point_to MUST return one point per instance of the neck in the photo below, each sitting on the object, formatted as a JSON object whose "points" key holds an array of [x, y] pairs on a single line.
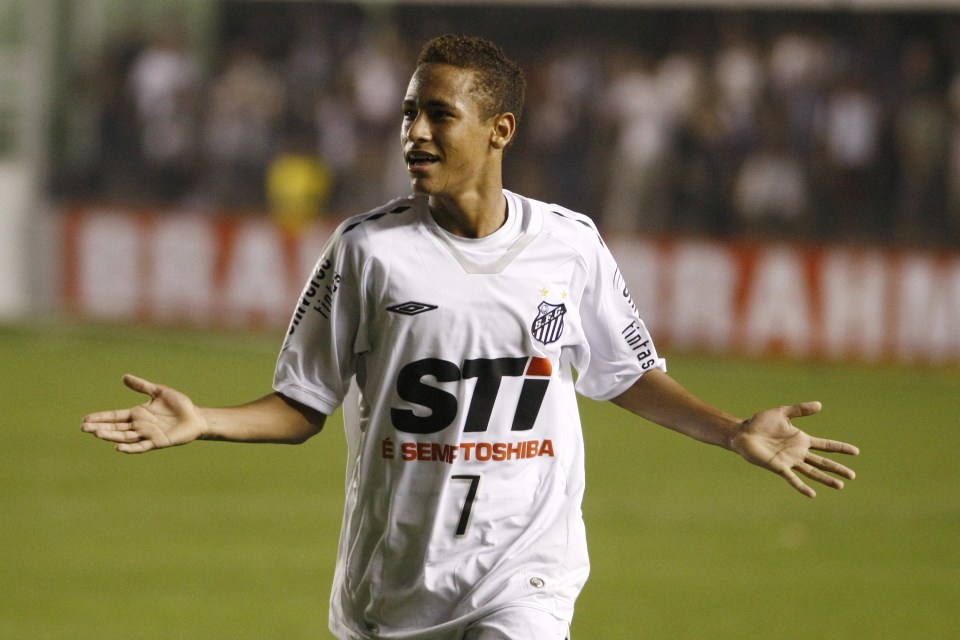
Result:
{"points": [[470, 216]]}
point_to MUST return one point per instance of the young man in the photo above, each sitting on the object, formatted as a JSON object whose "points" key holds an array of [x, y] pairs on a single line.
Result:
{"points": [[462, 313]]}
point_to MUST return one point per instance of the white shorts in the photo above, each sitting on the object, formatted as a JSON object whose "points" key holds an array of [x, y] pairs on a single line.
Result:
{"points": [[518, 622], [512, 622]]}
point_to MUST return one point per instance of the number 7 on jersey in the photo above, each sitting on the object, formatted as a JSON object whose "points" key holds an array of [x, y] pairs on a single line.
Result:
{"points": [[467, 509]]}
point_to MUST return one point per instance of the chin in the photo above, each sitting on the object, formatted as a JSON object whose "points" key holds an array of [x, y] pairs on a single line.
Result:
{"points": [[423, 187]]}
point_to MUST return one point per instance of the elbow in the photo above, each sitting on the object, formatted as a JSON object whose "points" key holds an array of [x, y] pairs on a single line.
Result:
{"points": [[304, 423], [311, 429], [301, 438]]}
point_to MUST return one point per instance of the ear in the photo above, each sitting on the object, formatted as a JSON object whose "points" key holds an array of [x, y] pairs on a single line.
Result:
{"points": [[504, 126]]}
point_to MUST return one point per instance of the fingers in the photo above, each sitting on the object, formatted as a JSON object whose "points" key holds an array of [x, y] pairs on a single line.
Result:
{"points": [[833, 446], [141, 385], [802, 409], [111, 432], [826, 464], [141, 446], [797, 483], [116, 425], [819, 476], [115, 417], [126, 435], [815, 467], [120, 416]]}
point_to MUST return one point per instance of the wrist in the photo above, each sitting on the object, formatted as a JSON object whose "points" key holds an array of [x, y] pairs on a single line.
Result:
{"points": [[204, 425], [732, 434]]}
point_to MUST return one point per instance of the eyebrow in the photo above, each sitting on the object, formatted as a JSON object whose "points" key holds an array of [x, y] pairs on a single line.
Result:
{"points": [[434, 104]]}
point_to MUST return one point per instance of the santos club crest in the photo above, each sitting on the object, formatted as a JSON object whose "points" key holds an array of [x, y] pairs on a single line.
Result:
{"points": [[548, 325]]}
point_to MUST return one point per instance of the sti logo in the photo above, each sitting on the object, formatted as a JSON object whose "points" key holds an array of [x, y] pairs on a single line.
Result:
{"points": [[548, 325], [415, 385]]}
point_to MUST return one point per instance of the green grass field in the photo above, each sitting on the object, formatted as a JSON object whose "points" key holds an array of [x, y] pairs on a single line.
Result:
{"points": [[216, 541]]}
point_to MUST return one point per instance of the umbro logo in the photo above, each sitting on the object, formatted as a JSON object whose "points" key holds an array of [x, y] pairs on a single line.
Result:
{"points": [[411, 308]]}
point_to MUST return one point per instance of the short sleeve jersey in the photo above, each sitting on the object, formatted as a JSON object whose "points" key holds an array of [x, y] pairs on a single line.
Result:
{"points": [[466, 467]]}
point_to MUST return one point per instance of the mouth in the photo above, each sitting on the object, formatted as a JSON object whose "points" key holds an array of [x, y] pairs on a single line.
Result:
{"points": [[420, 160]]}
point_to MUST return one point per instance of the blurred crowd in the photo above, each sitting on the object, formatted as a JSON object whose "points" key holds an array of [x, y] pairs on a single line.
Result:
{"points": [[820, 127]]}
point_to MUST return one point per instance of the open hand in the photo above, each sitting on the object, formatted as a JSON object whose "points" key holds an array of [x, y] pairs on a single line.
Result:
{"points": [[168, 419], [770, 440]]}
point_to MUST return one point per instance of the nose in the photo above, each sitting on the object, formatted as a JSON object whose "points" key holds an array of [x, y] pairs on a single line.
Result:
{"points": [[418, 129]]}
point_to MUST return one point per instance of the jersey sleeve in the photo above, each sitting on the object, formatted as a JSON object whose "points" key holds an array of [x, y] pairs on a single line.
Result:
{"points": [[319, 354], [620, 349]]}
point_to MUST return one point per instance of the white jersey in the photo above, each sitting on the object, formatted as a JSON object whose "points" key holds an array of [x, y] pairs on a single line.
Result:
{"points": [[466, 470]]}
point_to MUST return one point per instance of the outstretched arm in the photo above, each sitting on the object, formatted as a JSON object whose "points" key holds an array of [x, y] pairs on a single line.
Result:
{"points": [[170, 418], [768, 439]]}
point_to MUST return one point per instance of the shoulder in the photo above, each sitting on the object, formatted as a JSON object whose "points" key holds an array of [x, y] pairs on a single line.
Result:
{"points": [[382, 224], [565, 225], [395, 213], [565, 221]]}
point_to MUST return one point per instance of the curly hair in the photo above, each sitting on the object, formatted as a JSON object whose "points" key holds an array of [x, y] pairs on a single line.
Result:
{"points": [[500, 82]]}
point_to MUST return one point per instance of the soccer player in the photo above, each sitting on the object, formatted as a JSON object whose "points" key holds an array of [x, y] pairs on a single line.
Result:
{"points": [[468, 316]]}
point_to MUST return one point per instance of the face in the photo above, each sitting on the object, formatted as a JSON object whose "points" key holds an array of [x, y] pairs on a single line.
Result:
{"points": [[449, 148]]}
